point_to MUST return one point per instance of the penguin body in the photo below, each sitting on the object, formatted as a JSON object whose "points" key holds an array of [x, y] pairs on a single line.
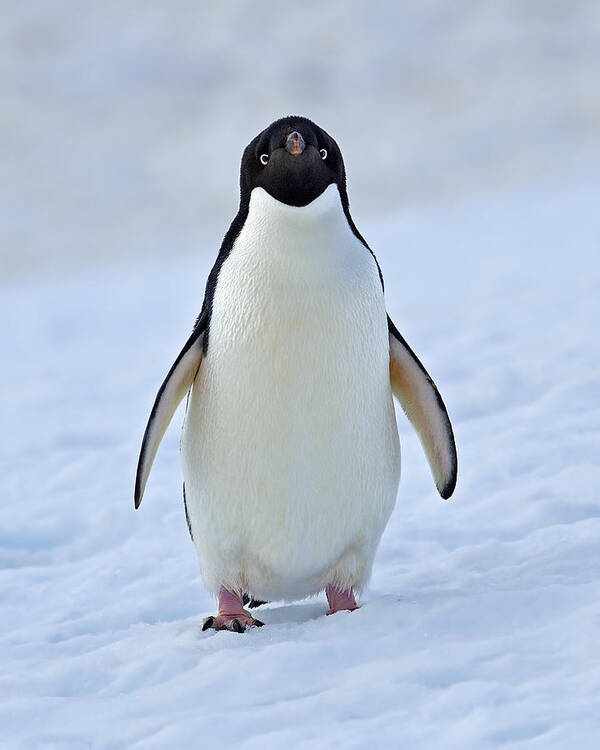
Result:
{"points": [[290, 449]]}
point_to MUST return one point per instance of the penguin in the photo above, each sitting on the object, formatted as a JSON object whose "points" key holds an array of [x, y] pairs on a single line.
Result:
{"points": [[290, 448]]}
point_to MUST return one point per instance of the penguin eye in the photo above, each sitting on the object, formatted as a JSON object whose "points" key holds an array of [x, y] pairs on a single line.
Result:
{"points": [[264, 158], [323, 153]]}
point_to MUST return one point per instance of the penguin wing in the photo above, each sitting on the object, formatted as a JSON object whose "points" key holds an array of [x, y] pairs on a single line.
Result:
{"points": [[175, 386], [423, 405]]}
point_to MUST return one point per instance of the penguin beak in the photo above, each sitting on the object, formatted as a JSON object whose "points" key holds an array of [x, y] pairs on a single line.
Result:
{"points": [[295, 144]]}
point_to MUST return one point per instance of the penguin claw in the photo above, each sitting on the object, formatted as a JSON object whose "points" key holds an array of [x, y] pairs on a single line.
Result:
{"points": [[235, 624]]}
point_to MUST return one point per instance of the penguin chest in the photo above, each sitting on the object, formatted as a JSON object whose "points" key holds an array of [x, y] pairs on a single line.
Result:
{"points": [[290, 434]]}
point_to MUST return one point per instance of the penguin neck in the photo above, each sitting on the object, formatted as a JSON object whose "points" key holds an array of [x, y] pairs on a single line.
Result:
{"points": [[312, 243], [325, 210]]}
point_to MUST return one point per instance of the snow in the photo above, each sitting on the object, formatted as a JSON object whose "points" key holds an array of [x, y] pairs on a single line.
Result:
{"points": [[480, 626], [123, 124]]}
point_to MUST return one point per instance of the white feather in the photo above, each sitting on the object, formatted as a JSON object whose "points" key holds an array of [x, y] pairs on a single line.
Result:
{"points": [[290, 449], [175, 386], [423, 405]]}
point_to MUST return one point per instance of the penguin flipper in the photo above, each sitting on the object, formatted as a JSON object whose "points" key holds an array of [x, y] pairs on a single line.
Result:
{"points": [[423, 405], [175, 386]]}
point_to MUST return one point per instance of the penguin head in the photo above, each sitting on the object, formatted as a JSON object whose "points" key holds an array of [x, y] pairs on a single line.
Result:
{"points": [[294, 160]]}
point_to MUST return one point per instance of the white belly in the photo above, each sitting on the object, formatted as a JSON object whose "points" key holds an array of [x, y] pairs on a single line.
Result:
{"points": [[290, 449]]}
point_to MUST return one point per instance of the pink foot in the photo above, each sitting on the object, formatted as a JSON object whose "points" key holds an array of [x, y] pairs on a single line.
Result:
{"points": [[232, 615], [340, 600]]}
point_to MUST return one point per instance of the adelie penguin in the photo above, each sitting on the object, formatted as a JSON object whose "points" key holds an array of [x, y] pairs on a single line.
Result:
{"points": [[290, 450]]}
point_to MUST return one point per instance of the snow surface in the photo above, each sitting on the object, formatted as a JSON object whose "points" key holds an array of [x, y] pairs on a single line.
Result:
{"points": [[480, 627], [471, 133]]}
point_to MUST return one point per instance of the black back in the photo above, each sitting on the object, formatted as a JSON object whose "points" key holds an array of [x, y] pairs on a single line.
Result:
{"points": [[292, 179]]}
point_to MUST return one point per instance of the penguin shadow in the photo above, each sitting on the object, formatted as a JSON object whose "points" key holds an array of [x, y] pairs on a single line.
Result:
{"points": [[315, 610], [291, 614], [280, 613]]}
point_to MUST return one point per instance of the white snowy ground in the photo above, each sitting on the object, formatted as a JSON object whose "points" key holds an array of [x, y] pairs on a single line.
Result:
{"points": [[481, 625]]}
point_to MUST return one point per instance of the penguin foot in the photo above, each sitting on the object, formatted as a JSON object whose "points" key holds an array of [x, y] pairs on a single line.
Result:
{"points": [[232, 615], [340, 600], [237, 623]]}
